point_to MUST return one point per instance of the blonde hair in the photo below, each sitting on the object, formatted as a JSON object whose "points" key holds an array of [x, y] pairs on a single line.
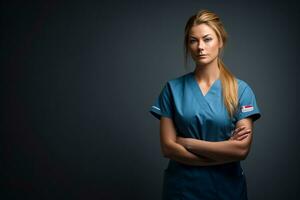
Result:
{"points": [[228, 80]]}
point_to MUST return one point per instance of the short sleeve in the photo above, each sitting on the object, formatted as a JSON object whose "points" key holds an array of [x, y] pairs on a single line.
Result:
{"points": [[163, 104], [247, 105]]}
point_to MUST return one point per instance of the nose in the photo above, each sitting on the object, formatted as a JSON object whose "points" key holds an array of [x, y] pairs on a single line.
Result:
{"points": [[200, 46]]}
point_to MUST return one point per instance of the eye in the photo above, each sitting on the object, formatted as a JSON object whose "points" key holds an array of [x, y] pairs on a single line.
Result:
{"points": [[207, 39], [192, 40]]}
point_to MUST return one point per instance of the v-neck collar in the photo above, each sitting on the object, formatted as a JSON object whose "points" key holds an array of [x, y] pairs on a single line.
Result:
{"points": [[198, 89]]}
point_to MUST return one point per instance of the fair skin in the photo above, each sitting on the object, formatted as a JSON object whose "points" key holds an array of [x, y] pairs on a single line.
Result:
{"points": [[190, 151], [203, 40]]}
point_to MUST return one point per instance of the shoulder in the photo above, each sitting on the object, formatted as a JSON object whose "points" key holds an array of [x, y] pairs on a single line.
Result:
{"points": [[242, 85], [175, 86], [178, 80], [244, 88]]}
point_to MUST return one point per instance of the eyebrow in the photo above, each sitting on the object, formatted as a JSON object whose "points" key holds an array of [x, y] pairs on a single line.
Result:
{"points": [[203, 36]]}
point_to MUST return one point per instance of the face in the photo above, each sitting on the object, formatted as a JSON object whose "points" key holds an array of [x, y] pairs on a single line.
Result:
{"points": [[203, 40]]}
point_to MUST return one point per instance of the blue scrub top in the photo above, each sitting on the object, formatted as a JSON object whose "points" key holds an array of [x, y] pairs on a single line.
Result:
{"points": [[203, 117]]}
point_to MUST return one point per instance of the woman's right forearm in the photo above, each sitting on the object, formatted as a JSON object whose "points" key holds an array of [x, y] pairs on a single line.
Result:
{"points": [[180, 154]]}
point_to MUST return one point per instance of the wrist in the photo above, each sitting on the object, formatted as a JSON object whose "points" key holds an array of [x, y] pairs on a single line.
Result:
{"points": [[188, 144]]}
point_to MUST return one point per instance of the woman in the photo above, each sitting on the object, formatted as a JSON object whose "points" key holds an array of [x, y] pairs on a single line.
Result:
{"points": [[206, 120]]}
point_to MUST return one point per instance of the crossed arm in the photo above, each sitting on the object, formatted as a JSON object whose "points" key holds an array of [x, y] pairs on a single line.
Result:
{"points": [[192, 151]]}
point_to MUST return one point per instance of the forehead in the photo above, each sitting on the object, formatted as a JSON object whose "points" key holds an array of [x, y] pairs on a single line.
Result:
{"points": [[201, 30]]}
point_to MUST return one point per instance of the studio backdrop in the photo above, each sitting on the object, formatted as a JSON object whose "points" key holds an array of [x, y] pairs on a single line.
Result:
{"points": [[78, 80]]}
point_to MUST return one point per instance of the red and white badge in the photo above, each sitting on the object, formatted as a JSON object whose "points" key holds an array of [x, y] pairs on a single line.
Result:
{"points": [[247, 108]]}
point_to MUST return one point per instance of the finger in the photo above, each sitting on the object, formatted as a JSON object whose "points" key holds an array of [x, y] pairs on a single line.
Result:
{"points": [[243, 132], [238, 132], [239, 129], [238, 137], [235, 137], [243, 137]]}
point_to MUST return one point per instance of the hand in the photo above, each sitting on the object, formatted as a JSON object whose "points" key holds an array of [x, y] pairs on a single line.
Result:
{"points": [[240, 133], [183, 141]]}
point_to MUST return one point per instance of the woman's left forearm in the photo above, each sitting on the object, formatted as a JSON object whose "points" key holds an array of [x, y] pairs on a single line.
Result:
{"points": [[222, 150], [236, 148]]}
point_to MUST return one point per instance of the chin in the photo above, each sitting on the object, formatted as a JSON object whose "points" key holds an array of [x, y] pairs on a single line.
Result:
{"points": [[203, 61]]}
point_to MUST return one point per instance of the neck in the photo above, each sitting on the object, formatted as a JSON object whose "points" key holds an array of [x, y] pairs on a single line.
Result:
{"points": [[207, 73]]}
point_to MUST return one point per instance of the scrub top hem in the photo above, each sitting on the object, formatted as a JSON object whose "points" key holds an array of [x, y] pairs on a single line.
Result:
{"points": [[158, 114]]}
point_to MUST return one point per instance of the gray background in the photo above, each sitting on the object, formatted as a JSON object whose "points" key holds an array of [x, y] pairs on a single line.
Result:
{"points": [[78, 80]]}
